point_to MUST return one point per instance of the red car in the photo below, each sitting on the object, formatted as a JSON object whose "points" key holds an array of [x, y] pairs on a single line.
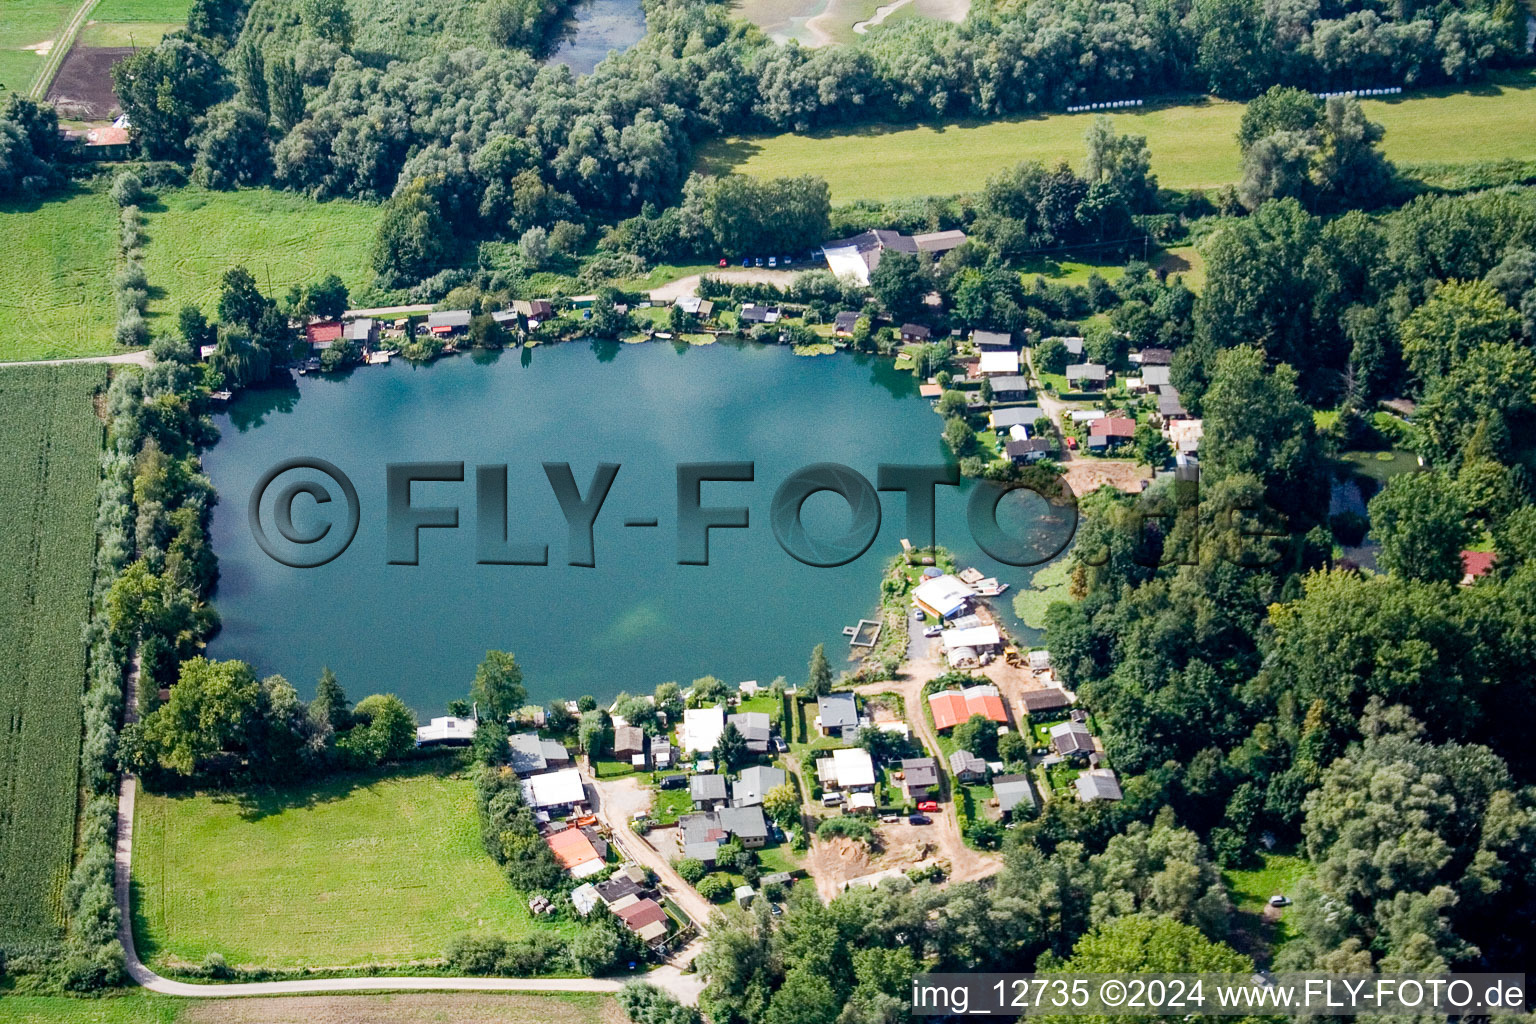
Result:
{"points": [[928, 805], [723, 262]]}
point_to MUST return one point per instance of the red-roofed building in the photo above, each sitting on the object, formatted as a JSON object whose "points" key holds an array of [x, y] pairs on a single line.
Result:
{"points": [[322, 334], [1475, 564], [644, 917], [575, 852], [951, 707], [1111, 430]]}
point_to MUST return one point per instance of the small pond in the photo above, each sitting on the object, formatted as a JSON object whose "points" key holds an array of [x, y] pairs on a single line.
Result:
{"points": [[592, 29]]}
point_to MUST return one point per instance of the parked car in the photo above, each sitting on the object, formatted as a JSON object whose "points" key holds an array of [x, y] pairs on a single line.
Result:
{"points": [[920, 819], [1279, 901], [917, 613], [724, 261], [831, 799], [746, 261], [759, 261], [890, 819], [928, 805], [773, 261], [933, 631]]}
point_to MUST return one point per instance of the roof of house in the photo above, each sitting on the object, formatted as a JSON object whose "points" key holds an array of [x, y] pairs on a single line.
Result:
{"points": [[939, 241], [847, 320], [526, 753], [618, 887], [759, 314], [1154, 376], [701, 729], [1047, 699], [754, 784], [838, 710], [754, 726], [449, 728], [745, 822], [1012, 790], [1168, 403], [1185, 435], [963, 762], [951, 707], [919, 771], [1073, 343], [1156, 357], [1113, 426], [629, 739], [1013, 416], [584, 898], [854, 767], [973, 636], [914, 331], [707, 787], [1010, 382], [572, 849], [1097, 784], [1028, 446], [701, 828], [1087, 371], [554, 789], [944, 594], [1474, 563], [704, 850], [449, 318], [323, 333], [992, 339], [999, 362], [1071, 737], [641, 913]]}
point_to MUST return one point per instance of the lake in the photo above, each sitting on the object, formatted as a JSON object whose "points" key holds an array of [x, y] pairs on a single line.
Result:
{"points": [[594, 27], [637, 618]]}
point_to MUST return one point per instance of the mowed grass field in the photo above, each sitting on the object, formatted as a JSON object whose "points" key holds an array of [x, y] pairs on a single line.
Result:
{"points": [[57, 258], [1193, 146], [139, 1007], [52, 441], [374, 869], [23, 24], [133, 22], [281, 237]]}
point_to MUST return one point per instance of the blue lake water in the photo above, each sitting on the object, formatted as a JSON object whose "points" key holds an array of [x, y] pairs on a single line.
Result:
{"points": [[637, 618], [595, 27]]}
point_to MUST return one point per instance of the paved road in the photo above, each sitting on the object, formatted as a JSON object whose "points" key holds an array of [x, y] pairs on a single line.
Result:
{"points": [[139, 358]]}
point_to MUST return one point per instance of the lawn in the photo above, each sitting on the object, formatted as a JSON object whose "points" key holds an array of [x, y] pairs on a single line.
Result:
{"points": [[1275, 874], [280, 237], [667, 805], [49, 430], [1192, 145], [26, 23], [139, 1007], [382, 868], [133, 22], [57, 259]]}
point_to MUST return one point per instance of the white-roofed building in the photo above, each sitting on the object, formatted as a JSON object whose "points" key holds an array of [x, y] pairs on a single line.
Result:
{"points": [[855, 770], [554, 790], [701, 729], [998, 364], [943, 596], [846, 261], [980, 638], [446, 731]]}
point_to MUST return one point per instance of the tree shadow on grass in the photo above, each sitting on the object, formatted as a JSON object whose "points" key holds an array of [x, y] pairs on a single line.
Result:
{"points": [[258, 802]]}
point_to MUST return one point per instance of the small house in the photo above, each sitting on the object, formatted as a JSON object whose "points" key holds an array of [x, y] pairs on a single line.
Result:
{"points": [[967, 767], [915, 332], [1031, 449], [837, 714], [1000, 363], [556, 793], [321, 335], [746, 824], [844, 323], [755, 783], [1044, 704], [1169, 407], [1071, 739], [1073, 345], [575, 852], [951, 707], [755, 727], [1010, 387], [943, 596], [853, 770], [1184, 435], [992, 341], [646, 919], [743, 894], [1011, 791], [701, 729], [529, 753], [1097, 784], [707, 792], [1087, 376], [629, 741], [448, 322], [919, 777], [1018, 416], [446, 732], [1153, 357], [752, 313], [363, 332], [1110, 432]]}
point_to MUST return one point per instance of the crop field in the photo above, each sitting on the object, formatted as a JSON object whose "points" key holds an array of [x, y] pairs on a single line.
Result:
{"points": [[27, 27], [139, 1007], [1193, 146], [57, 258], [51, 439], [373, 869], [280, 237]]}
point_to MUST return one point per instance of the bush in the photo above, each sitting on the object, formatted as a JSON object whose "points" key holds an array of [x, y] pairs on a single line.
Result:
{"points": [[127, 189], [848, 826], [691, 869], [131, 330], [714, 887]]}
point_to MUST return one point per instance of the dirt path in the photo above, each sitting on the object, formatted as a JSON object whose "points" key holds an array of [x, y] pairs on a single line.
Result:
{"points": [[674, 290], [881, 13], [59, 50], [139, 358]]}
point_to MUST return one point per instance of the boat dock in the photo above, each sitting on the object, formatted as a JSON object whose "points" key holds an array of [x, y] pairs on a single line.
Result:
{"points": [[865, 634]]}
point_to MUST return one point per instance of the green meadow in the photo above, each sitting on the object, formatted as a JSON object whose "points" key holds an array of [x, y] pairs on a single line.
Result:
{"points": [[133, 22], [57, 258], [1193, 145], [373, 869], [281, 237], [23, 24]]}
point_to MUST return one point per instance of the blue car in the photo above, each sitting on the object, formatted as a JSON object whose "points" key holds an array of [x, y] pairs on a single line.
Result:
{"points": [[746, 261]]}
